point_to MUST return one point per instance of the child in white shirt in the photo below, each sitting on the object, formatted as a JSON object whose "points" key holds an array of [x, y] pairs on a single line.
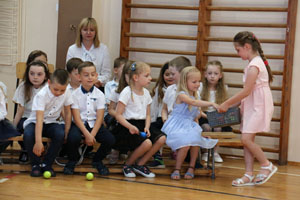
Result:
{"points": [[133, 115], [46, 109], [88, 111]]}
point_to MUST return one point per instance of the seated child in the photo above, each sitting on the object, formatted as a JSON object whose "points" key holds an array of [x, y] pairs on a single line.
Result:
{"points": [[35, 77], [72, 68], [111, 86], [88, 111], [213, 90], [6, 128], [46, 108]]}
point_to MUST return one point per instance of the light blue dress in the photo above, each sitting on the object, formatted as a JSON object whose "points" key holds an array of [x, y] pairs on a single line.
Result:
{"points": [[182, 130]]}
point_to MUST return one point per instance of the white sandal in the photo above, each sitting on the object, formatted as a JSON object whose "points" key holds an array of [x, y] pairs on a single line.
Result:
{"points": [[263, 177], [240, 182]]}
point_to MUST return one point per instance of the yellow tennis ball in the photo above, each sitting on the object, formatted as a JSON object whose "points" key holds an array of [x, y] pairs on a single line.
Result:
{"points": [[89, 176], [47, 174]]}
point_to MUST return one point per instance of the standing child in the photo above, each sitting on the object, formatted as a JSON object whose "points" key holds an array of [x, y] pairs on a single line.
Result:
{"points": [[111, 86], [213, 90], [256, 107], [72, 68], [46, 108], [133, 114], [88, 111], [35, 77], [164, 80], [6, 128], [183, 132]]}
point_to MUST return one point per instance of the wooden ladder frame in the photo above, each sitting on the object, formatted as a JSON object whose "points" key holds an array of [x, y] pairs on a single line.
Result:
{"points": [[203, 38]]}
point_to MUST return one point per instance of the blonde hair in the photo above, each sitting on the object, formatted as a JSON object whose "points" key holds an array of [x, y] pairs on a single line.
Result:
{"points": [[182, 85], [122, 82], [86, 22], [136, 68], [221, 92]]}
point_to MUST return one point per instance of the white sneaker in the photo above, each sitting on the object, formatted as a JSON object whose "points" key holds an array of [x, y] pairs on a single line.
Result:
{"points": [[218, 158], [113, 157], [204, 156]]}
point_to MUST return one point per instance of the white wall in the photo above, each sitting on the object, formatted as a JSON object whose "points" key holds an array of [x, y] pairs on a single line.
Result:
{"points": [[39, 29]]}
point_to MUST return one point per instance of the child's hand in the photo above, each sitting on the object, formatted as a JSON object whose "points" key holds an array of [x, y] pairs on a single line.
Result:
{"points": [[146, 130], [38, 148], [89, 139], [134, 130], [222, 108], [216, 106]]}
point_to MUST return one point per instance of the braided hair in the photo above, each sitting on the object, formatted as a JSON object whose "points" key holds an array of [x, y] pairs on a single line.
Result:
{"points": [[248, 37]]}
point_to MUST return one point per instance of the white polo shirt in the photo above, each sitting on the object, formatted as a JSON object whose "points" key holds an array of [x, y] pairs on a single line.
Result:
{"points": [[52, 106], [19, 98], [136, 108], [88, 102]]}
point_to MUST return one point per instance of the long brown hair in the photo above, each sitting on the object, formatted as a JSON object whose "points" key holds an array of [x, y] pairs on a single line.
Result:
{"points": [[248, 37], [221, 92], [27, 84], [160, 83]]}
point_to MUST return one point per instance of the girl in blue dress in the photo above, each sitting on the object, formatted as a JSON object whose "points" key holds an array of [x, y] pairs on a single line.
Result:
{"points": [[182, 129]]}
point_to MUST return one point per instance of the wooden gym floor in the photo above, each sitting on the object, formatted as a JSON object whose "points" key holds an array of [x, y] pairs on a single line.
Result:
{"points": [[283, 185]]}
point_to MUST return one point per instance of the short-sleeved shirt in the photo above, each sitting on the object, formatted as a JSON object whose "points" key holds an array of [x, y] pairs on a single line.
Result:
{"points": [[136, 105], [114, 97], [3, 111], [170, 97], [88, 102], [52, 106], [110, 86], [19, 98], [156, 107]]}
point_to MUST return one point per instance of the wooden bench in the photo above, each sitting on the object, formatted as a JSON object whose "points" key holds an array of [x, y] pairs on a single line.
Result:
{"points": [[225, 139]]}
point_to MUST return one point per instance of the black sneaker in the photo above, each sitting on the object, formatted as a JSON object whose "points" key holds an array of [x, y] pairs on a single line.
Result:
{"points": [[23, 158], [69, 168], [144, 171], [128, 171], [47, 168], [102, 169], [36, 171], [157, 163]]}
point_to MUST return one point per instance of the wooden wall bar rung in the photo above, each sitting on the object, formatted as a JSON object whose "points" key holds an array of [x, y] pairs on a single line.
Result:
{"points": [[158, 21], [220, 39], [241, 71], [260, 134], [177, 37], [264, 25], [160, 51], [265, 149], [237, 56], [255, 9], [132, 5], [241, 86]]}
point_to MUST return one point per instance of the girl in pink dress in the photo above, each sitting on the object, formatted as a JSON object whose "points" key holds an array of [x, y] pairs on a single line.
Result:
{"points": [[256, 107]]}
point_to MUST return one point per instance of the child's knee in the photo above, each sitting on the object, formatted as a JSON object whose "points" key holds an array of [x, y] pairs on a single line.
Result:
{"points": [[162, 140]]}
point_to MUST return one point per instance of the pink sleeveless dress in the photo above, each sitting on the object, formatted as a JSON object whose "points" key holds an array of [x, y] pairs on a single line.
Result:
{"points": [[257, 108]]}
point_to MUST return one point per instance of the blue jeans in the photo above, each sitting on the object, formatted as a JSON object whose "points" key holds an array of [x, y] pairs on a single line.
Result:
{"points": [[54, 131], [75, 136]]}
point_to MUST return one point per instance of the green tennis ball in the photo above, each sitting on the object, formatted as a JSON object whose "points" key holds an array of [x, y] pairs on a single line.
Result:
{"points": [[89, 176], [47, 174]]}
